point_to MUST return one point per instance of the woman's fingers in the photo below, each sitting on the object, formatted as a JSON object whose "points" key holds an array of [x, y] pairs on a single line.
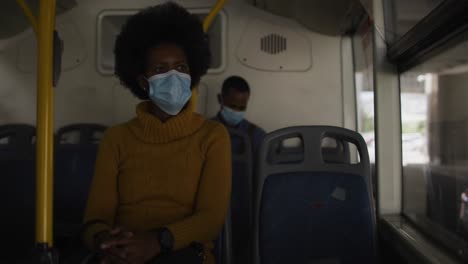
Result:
{"points": [[114, 236], [121, 231], [116, 230], [117, 242]]}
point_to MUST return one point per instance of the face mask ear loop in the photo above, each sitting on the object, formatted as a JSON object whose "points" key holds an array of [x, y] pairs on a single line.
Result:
{"points": [[146, 88]]}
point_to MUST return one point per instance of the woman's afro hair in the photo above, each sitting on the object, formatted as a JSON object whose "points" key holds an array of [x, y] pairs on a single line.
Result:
{"points": [[165, 23]]}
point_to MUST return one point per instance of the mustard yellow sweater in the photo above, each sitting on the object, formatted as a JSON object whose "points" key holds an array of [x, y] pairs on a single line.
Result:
{"points": [[150, 174]]}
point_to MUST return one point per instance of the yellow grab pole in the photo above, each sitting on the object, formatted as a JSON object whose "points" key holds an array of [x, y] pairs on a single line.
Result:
{"points": [[206, 25], [45, 136], [213, 13], [28, 13]]}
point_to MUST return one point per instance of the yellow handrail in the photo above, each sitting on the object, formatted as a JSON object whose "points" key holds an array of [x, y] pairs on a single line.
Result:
{"points": [[206, 25], [44, 27], [45, 131], [29, 14], [213, 13]]}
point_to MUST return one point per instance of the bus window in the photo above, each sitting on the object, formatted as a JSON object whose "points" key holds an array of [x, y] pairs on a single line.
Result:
{"points": [[402, 15], [364, 71], [434, 120]]}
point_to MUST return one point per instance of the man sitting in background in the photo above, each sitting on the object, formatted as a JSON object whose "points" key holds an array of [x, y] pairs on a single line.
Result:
{"points": [[233, 100]]}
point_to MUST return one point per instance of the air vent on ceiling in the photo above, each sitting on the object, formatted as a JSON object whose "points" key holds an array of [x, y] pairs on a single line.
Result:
{"points": [[273, 44]]}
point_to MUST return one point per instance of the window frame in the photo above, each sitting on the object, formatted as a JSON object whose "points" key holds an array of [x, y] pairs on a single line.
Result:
{"points": [[430, 35], [416, 47], [116, 12]]}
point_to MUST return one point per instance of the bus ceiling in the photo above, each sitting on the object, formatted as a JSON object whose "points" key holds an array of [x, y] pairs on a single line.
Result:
{"points": [[331, 17], [12, 15]]}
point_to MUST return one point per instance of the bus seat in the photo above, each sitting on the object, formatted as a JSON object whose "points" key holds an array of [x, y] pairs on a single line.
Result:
{"points": [[16, 138], [223, 245], [311, 210], [334, 151], [241, 195], [80, 133], [75, 157], [18, 222], [17, 162]]}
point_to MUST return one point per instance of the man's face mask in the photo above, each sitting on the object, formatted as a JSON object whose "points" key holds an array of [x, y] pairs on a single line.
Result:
{"points": [[231, 116]]}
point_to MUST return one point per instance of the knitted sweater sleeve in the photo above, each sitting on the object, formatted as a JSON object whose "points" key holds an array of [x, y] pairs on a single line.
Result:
{"points": [[103, 198], [213, 196]]}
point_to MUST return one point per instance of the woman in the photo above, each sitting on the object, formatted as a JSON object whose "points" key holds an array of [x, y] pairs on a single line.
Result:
{"points": [[163, 179]]}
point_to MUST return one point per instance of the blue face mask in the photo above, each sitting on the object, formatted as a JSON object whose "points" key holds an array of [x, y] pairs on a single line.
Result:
{"points": [[170, 91], [231, 116]]}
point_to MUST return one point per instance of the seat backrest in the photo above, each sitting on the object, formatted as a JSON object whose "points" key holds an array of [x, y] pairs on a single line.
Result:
{"points": [[17, 163], [76, 152], [223, 245], [336, 151], [80, 134], [16, 140], [241, 195], [333, 151], [18, 196], [312, 210], [17, 134]]}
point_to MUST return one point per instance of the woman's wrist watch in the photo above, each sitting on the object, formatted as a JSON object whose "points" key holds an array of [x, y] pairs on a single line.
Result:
{"points": [[166, 240]]}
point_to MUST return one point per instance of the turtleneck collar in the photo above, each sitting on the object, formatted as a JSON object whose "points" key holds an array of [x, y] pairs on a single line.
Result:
{"points": [[149, 128]]}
